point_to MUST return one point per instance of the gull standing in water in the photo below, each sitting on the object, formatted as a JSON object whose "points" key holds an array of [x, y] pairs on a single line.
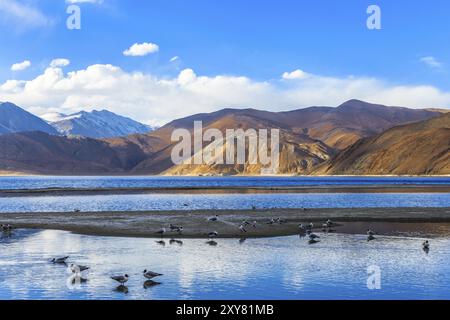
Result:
{"points": [[121, 279], [426, 246], [151, 274]]}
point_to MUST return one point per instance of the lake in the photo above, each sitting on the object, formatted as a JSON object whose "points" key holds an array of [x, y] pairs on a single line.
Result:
{"points": [[189, 182], [154, 202], [276, 268]]}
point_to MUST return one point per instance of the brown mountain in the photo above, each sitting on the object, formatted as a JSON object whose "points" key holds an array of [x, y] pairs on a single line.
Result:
{"points": [[421, 148], [309, 137], [38, 152]]}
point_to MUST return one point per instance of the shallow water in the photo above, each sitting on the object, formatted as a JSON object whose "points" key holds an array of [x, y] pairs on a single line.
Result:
{"points": [[152, 202], [186, 182], [276, 268]]}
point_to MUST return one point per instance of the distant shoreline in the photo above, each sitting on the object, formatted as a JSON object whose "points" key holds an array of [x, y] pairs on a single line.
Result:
{"points": [[420, 222], [112, 174], [413, 188]]}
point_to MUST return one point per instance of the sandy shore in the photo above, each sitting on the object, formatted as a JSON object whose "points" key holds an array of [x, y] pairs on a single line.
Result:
{"points": [[411, 221], [223, 190]]}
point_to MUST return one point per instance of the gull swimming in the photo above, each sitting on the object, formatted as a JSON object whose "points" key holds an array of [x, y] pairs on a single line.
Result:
{"points": [[121, 279], [61, 260]]}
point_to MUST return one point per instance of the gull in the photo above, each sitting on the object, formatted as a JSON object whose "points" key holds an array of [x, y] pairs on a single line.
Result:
{"points": [[6, 227], [281, 221], [175, 228], [161, 231], [214, 219], [213, 234], [254, 224], [121, 279], [242, 228], [301, 226], [151, 274], [271, 221], [426, 245], [61, 260], [77, 268]]}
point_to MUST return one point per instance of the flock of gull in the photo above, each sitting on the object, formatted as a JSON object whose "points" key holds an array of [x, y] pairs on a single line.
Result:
{"points": [[78, 275], [304, 231]]}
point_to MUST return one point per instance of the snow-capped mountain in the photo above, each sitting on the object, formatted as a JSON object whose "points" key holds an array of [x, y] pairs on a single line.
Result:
{"points": [[15, 119], [98, 124]]}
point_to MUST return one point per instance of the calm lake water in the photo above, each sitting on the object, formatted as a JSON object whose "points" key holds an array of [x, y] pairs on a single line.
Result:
{"points": [[152, 202], [186, 182], [277, 268]]}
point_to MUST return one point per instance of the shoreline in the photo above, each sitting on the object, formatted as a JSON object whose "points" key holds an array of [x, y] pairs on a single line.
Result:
{"points": [[410, 188], [385, 221]]}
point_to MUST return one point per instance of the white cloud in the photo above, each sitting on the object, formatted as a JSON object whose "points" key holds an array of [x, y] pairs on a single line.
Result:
{"points": [[154, 99], [141, 49], [22, 15], [21, 65], [431, 62], [60, 62], [296, 74]]}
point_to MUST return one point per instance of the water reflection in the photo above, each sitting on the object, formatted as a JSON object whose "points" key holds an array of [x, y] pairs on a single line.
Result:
{"points": [[273, 268], [151, 202]]}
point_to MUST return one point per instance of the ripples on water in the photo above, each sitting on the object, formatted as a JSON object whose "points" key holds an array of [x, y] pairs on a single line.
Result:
{"points": [[186, 182], [275, 268], [153, 202]]}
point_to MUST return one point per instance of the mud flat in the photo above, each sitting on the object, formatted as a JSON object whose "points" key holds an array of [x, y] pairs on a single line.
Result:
{"points": [[388, 221]]}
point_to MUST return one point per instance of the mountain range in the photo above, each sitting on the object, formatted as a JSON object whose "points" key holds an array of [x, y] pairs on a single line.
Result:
{"points": [[95, 124], [353, 138], [14, 119], [98, 124]]}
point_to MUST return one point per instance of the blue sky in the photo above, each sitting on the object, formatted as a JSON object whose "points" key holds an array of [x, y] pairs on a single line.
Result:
{"points": [[227, 41]]}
